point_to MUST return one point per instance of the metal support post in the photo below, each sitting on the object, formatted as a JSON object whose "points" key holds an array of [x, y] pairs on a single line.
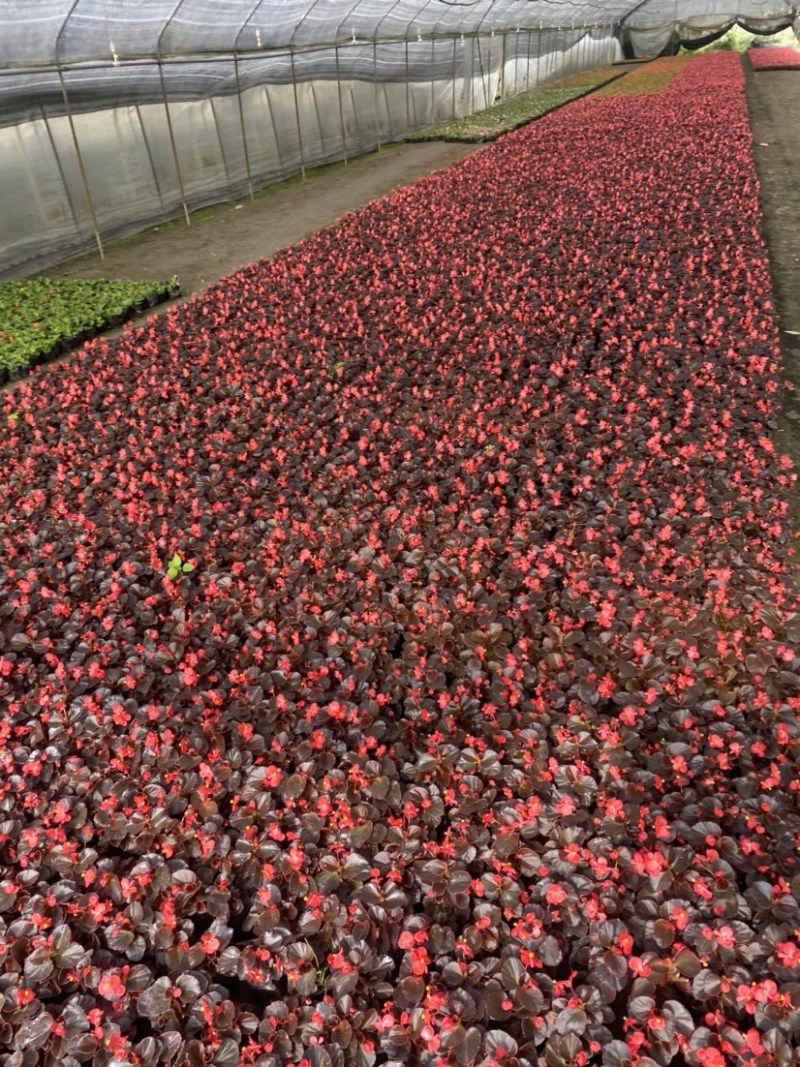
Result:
{"points": [[242, 126], [433, 79], [78, 155], [376, 82], [64, 182], [297, 117], [341, 106], [175, 159], [150, 158], [274, 129], [503, 59], [408, 91], [222, 151]]}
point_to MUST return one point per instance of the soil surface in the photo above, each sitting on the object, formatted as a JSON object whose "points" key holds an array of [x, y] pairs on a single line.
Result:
{"points": [[774, 102], [224, 238]]}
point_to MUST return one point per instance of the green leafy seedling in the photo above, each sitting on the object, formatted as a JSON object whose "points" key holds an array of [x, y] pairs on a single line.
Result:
{"points": [[176, 567]]}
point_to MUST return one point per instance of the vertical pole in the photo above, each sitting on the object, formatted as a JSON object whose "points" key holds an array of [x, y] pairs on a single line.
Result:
{"points": [[377, 95], [471, 111], [275, 131], [408, 90], [70, 202], [528, 64], [81, 168], [481, 70], [503, 58], [433, 78], [57, 157], [486, 71], [455, 68], [175, 159], [297, 117], [516, 58], [316, 111], [341, 106], [221, 144], [487, 92], [242, 125], [150, 158]]}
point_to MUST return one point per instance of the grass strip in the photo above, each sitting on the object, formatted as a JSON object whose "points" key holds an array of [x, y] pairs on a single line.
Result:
{"points": [[488, 125], [41, 318]]}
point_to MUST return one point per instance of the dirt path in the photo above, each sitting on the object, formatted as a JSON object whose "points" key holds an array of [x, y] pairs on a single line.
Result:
{"points": [[232, 235], [774, 102]]}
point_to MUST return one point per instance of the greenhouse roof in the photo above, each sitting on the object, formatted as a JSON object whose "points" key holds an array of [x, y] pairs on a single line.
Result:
{"points": [[66, 32]]}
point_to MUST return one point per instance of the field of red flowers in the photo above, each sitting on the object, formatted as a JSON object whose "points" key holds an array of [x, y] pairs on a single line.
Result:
{"points": [[398, 642], [774, 58]]}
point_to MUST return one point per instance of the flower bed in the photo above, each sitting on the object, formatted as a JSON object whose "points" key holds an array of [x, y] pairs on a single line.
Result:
{"points": [[488, 125], [774, 58], [650, 78], [398, 641], [41, 318]]}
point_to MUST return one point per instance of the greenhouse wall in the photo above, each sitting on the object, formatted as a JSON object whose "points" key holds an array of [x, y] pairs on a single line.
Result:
{"points": [[74, 178]]}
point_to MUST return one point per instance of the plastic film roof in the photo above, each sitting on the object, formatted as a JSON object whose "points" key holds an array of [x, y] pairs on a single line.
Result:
{"points": [[104, 53], [68, 31]]}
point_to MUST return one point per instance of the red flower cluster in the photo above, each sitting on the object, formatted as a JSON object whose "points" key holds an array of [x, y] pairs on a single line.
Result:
{"points": [[463, 728], [774, 58]]}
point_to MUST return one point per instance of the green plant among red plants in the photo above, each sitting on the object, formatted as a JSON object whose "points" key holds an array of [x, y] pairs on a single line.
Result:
{"points": [[471, 737], [512, 114], [41, 318]]}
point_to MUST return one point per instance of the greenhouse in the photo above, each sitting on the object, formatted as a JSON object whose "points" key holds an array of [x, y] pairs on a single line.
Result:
{"points": [[113, 121], [399, 532]]}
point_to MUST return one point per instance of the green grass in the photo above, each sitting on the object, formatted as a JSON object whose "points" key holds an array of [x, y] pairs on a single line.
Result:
{"points": [[488, 125], [41, 316]]}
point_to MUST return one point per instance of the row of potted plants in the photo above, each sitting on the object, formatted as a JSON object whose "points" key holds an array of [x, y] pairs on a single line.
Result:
{"points": [[778, 58], [488, 125], [42, 318]]}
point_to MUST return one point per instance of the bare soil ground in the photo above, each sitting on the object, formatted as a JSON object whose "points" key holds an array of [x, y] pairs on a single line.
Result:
{"points": [[224, 238], [774, 103]]}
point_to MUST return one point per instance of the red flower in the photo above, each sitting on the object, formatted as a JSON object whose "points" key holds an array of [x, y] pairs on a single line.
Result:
{"points": [[556, 894], [788, 953], [420, 961], [111, 987], [710, 1057], [209, 944]]}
